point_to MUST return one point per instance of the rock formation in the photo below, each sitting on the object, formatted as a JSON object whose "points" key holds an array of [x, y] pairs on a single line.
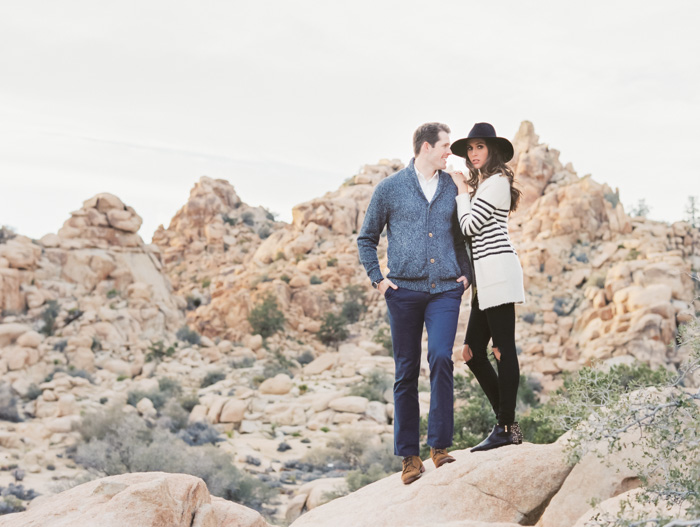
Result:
{"points": [[93, 317]]}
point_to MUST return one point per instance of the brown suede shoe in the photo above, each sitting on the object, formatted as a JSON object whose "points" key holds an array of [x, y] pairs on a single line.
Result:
{"points": [[440, 456], [412, 469]]}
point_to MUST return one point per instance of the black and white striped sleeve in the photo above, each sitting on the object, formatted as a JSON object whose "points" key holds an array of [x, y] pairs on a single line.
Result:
{"points": [[472, 218]]}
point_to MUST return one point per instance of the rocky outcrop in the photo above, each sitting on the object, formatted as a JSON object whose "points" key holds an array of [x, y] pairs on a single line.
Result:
{"points": [[510, 485], [144, 499]]}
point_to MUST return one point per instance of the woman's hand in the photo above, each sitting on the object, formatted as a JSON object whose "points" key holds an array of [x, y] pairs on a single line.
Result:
{"points": [[461, 181]]}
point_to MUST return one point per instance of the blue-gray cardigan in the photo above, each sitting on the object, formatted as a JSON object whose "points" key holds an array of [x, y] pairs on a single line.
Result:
{"points": [[426, 248]]}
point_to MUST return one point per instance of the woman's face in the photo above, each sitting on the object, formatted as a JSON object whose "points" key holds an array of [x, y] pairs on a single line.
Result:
{"points": [[478, 152]]}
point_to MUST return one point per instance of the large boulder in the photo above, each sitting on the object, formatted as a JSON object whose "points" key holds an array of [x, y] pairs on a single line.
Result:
{"points": [[145, 499], [511, 485]]}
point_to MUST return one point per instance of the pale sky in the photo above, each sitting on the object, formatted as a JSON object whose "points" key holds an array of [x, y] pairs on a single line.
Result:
{"points": [[286, 99]]}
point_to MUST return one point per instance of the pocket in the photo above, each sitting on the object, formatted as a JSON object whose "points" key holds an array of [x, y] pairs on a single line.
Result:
{"points": [[388, 292]]}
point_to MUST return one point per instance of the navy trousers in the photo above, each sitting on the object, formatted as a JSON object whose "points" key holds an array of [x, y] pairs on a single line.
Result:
{"points": [[408, 312]]}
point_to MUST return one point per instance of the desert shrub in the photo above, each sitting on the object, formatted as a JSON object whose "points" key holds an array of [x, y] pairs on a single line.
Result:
{"points": [[248, 218], [72, 371], [612, 197], [264, 232], [315, 280], [115, 442], [206, 283], [10, 504], [96, 345], [33, 391], [277, 364], [584, 391], [528, 317], [167, 389], [354, 305], [305, 357], [186, 334], [351, 451], [265, 318], [173, 416], [285, 278], [332, 262], [229, 220], [200, 433], [193, 302], [8, 405], [212, 377], [383, 337], [49, 316], [333, 329], [188, 402], [157, 351], [244, 362], [60, 345], [605, 414], [373, 385]]}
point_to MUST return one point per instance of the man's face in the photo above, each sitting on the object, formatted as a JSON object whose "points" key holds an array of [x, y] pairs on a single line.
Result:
{"points": [[437, 155]]}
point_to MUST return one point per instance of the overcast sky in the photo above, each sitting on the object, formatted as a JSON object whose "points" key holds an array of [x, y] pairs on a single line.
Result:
{"points": [[286, 99]]}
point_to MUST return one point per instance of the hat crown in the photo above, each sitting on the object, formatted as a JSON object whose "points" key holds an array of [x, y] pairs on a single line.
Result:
{"points": [[480, 130]]}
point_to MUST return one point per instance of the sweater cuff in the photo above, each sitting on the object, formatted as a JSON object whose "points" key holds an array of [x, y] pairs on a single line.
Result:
{"points": [[464, 204]]}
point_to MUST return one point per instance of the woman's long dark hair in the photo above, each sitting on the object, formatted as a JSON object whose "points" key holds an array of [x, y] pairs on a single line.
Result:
{"points": [[494, 165]]}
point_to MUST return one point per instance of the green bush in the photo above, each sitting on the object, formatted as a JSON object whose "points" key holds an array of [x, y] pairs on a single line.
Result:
{"points": [[383, 337], [167, 389], [333, 329], [212, 377], [186, 334], [373, 385], [277, 364], [315, 280], [354, 305], [49, 316], [115, 442], [265, 318], [157, 351], [584, 391], [351, 451], [8, 405]]}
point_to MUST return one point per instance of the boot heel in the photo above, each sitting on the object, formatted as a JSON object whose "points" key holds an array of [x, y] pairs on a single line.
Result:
{"points": [[517, 434]]}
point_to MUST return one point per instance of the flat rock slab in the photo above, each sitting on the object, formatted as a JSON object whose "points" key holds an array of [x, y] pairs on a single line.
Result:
{"points": [[511, 485]]}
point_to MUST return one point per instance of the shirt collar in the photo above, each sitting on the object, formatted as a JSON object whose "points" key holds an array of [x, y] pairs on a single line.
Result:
{"points": [[421, 176]]}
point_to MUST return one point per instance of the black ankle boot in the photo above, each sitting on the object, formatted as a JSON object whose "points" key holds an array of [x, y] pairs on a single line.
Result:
{"points": [[501, 435]]}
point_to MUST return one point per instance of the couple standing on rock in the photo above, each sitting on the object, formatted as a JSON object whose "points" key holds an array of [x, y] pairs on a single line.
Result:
{"points": [[445, 233]]}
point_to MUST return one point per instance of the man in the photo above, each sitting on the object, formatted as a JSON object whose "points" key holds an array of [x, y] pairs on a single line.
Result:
{"points": [[428, 270]]}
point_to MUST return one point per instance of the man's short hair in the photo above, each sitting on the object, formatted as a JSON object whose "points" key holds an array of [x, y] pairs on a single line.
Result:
{"points": [[428, 132]]}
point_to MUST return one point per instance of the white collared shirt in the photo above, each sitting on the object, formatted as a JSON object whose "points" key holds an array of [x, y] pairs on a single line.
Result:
{"points": [[428, 186]]}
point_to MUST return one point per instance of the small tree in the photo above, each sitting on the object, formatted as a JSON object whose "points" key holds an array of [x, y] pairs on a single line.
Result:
{"points": [[692, 211], [641, 209], [265, 318], [333, 329]]}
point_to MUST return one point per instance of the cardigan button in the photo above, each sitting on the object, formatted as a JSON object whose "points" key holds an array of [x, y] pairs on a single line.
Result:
{"points": [[430, 234], [432, 285], [432, 260]]}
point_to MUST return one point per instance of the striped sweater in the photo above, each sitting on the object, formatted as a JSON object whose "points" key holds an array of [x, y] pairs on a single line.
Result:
{"points": [[484, 219]]}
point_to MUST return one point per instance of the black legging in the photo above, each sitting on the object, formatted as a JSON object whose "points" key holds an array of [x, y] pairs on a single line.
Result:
{"points": [[498, 323]]}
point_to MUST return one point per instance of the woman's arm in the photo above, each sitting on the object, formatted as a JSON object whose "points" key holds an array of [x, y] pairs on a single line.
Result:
{"points": [[472, 218]]}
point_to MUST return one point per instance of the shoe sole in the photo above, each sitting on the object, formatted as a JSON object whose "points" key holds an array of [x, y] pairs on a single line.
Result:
{"points": [[484, 449], [409, 481], [446, 460]]}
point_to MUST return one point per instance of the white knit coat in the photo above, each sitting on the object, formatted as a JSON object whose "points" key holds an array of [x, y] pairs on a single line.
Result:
{"points": [[484, 218]]}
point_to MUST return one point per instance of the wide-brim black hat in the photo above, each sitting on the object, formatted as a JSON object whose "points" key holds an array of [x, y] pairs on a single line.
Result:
{"points": [[483, 131]]}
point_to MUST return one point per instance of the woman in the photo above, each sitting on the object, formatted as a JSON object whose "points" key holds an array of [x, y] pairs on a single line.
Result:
{"points": [[483, 203]]}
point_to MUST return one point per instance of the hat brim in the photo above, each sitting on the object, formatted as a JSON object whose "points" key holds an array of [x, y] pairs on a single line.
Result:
{"points": [[459, 147]]}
